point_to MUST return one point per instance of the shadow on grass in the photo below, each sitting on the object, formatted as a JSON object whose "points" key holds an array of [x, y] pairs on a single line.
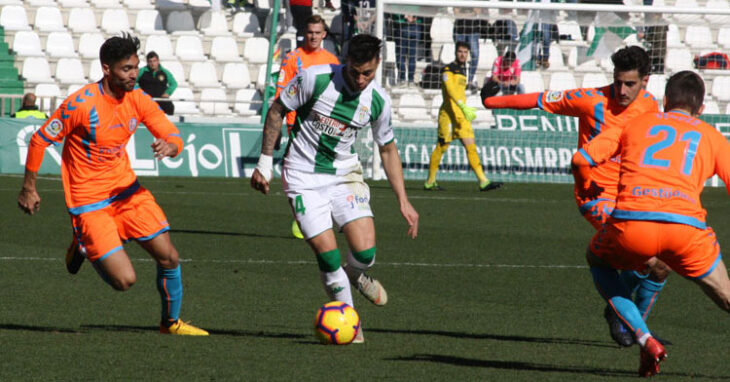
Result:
{"points": [[529, 366], [32, 328], [201, 232], [223, 332], [498, 337]]}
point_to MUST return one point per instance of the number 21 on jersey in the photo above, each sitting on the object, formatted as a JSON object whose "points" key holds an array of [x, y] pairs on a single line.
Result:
{"points": [[652, 155]]}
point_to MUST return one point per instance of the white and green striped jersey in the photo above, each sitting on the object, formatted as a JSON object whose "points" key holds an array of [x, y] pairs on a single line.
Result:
{"points": [[329, 117]]}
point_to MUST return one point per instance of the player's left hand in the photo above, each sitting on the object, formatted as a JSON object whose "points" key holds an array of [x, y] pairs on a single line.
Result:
{"points": [[592, 192], [29, 201], [162, 149], [411, 216]]}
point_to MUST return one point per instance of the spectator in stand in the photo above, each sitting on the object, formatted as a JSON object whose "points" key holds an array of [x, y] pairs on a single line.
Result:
{"points": [[467, 30], [548, 31], [29, 109], [506, 73], [158, 82], [504, 32], [358, 16], [301, 10], [408, 30]]}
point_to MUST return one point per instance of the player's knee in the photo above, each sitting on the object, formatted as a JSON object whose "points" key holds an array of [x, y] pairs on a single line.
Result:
{"points": [[123, 282], [170, 259], [659, 272]]}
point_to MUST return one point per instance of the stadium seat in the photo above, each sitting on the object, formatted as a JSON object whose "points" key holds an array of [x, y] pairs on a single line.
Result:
{"points": [[723, 37], [261, 76], [673, 38], [60, 44], [686, 18], [699, 37], [447, 54], [721, 88], [594, 80], [176, 69], [533, 82], [412, 106], [149, 21], [213, 23], [45, 94], [139, 4], [225, 49], [161, 45], [180, 22], [184, 101], [70, 71], [27, 43], [246, 24], [14, 18], [214, 101], [487, 55], [71, 4], [256, 50], [82, 20], [204, 75], [49, 19], [656, 85], [36, 70], [248, 102], [114, 21], [588, 66], [95, 72], [727, 108], [555, 59], [189, 48], [711, 107], [73, 88], [236, 75], [562, 81], [572, 29], [436, 102], [715, 19], [678, 59]]}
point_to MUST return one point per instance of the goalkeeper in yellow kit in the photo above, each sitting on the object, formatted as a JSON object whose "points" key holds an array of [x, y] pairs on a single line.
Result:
{"points": [[455, 121]]}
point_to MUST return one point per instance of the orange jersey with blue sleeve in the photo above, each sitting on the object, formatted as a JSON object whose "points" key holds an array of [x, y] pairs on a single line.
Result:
{"points": [[294, 62], [598, 110], [95, 128], [665, 160]]}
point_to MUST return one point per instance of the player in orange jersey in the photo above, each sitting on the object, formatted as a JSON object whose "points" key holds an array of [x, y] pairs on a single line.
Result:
{"points": [[310, 54], [665, 160], [598, 110], [106, 202]]}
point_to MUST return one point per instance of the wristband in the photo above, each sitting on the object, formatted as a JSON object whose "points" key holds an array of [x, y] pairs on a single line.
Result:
{"points": [[265, 166]]}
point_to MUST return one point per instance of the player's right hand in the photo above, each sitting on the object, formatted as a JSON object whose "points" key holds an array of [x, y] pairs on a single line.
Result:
{"points": [[29, 201], [259, 182]]}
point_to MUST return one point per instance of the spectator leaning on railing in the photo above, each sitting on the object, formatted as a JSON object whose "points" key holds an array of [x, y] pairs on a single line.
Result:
{"points": [[29, 109], [158, 82]]}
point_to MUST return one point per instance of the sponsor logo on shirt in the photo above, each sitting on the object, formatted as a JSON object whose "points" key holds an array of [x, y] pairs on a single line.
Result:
{"points": [[362, 113], [54, 127], [554, 96], [132, 124], [331, 126]]}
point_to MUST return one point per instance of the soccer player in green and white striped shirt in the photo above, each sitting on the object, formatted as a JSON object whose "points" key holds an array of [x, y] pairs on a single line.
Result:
{"points": [[322, 176]]}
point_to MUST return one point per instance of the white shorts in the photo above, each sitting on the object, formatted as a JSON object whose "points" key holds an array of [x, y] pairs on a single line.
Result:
{"points": [[318, 199]]}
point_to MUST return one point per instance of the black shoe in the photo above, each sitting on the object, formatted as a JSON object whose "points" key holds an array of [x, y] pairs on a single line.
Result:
{"points": [[619, 333], [74, 258], [491, 186]]}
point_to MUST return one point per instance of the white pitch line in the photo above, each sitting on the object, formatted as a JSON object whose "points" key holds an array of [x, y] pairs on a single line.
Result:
{"points": [[304, 262]]}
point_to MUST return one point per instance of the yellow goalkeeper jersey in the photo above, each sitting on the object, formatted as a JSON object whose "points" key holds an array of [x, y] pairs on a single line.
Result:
{"points": [[453, 86]]}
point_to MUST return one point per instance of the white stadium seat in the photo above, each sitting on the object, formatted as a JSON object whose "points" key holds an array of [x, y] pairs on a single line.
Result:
{"points": [[95, 72], [685, 18], [256, 50], [180, 22], [49, 19], [81, 20], [723, 37], [189, 48], [149, 21], [236, 75], [594, 80], [721, 88], [487, 55], [711, 107], [436, 102], [114, 21], [73, 88], [555, 59], [246, 24], [698, 37], [60, 44], [225, 49], [261, 76], [248, 102], [572, 29], [14, 18], [161, 45], [176, 69], [214, 101], [674, 40], [533, 82], [213, 24], [412, 106], [678, 59], [70, 71], [717, 20], [27, 43], [656, 85], [89, 44], [45, 93], [204, 75], [447, 54], [184, 101], [37, 70], [562, 81]]}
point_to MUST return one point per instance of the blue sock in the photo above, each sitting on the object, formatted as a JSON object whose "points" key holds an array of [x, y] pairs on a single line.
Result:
{"points": [[646, 296], [619, 297], [631, 279], [169, 284]]}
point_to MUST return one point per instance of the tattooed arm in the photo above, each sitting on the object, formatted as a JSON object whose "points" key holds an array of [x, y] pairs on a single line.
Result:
{"points": [[272, 130]]}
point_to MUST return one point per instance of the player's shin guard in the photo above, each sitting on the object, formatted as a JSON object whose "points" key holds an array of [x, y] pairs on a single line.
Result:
{"points": [[169, 285], [359, 263], [618, 297], [433, 165], [334, 278], [646, 295], [474, 162]]}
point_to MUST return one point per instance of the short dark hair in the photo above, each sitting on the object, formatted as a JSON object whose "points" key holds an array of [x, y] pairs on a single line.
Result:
{"points": [[152, 54], [685, 90], [363, 48], [631, 58], [509, 57], [118, 48], [461, 44], [316, 19]]}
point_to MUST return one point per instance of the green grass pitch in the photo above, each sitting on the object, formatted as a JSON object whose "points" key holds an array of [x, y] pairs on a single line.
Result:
{"points": [[495, 288]]}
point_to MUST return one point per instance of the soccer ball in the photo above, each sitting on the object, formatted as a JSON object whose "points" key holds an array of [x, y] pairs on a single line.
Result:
{"points": [[336, 323]]}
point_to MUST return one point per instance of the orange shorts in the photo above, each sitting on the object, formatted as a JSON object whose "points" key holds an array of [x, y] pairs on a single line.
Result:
{"points": [[102, 231], [628, 244], [597, 211]]}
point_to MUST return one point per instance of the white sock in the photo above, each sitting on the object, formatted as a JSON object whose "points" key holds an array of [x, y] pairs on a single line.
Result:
{"points": [[642, 340], [337, 286], [356, 268]]}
